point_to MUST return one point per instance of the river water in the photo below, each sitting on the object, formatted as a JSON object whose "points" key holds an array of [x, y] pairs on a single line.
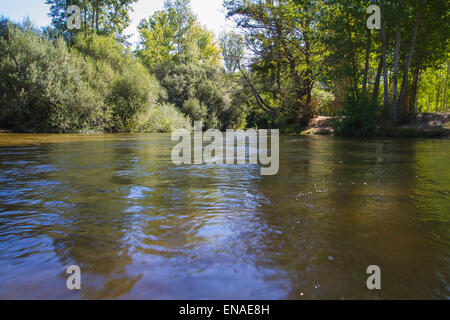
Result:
{"points": [[140, 227]]}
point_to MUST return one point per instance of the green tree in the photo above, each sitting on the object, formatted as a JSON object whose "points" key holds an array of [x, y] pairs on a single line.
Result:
{"points": [[284, 40], [99, 16], [174, 35], [232, 46]]}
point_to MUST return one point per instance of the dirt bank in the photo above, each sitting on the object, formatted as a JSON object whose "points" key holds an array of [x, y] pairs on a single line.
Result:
{"points": [[425, 125]]}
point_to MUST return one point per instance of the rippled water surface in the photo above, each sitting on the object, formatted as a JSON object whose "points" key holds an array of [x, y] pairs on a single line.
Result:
{"points": [[141, 227]]}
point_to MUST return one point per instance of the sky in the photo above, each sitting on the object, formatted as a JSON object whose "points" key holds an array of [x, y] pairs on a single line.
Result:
{"points": [[209, 12]]}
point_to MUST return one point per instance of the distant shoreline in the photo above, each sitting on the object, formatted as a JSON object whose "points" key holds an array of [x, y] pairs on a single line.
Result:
{"points": [[422, 125]]}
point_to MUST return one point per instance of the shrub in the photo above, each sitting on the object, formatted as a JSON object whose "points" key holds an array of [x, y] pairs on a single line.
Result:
{"points": [[196, 88], [166, 118], [96, 86], [133, 94], [358, 117], [194, 109], [42, 89]]}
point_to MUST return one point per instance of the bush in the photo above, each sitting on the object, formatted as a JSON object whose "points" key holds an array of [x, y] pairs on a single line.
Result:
{"points": [[96, 86], [196, 88], [195, 109], [42, 89], [133, 94], [166, 118], [358, 117]]}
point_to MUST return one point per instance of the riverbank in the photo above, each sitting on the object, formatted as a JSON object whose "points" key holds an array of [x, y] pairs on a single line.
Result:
{"points": [[422, 125]]}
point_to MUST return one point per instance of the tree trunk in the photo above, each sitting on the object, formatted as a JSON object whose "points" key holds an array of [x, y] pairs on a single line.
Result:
{"points": [[396, 57], [438, 93], [416, 100], [376, 86], [444, 103], [367, 64], [278, 78], [308, 85], [85, 18], [353, 77], [383, 54], [411, 52], [96, 21], [259, 99], [93, 18], [413, 98]]}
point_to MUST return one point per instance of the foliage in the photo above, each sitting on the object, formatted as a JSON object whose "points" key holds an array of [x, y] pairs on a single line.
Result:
{"points": [[95, 86], [41, 90], [232, 46], [202, 92], [174, 35], [321, 100], [358, 117], [432, 90], [105, 17], [286, 62]]}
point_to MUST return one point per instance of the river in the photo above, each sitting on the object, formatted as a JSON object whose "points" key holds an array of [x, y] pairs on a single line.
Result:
{"points": [[140, 227]]}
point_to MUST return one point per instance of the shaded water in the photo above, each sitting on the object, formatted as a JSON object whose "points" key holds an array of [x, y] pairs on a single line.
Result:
{"points": [[140, 227]]}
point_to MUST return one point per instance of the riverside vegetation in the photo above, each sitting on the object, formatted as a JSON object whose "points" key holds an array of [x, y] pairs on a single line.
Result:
{"points": [[286, 63]]}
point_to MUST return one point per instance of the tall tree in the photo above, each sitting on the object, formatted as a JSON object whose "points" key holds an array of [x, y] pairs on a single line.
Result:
{"points": [[396, 58], [411, 50], [175, 35], [99, 16], [232, 46], [283, 38], [384, 55]]}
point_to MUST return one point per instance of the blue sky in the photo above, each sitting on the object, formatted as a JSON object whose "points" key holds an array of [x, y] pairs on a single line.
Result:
{"points": [[210, 13]]}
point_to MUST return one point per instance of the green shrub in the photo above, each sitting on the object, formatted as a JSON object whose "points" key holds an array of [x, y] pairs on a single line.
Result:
{"points": [[166, 118], [194, 88], [41, 88], [193, 108], [358, 117], [133, 94], [95, 86], [104, 48]]}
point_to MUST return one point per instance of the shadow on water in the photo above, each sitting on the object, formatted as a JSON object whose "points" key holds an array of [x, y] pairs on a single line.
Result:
{"points": [[141, 227]]}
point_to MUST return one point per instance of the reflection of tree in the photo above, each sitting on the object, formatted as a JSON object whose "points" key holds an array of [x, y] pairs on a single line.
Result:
{"points": [[376, 219], [125, 199], [94, 219], [432, 188], [338, 206], [138, 225], [430, 197]]}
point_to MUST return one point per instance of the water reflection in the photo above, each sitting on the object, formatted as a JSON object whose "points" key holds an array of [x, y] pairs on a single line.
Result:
{"points": [[140, 227]]}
